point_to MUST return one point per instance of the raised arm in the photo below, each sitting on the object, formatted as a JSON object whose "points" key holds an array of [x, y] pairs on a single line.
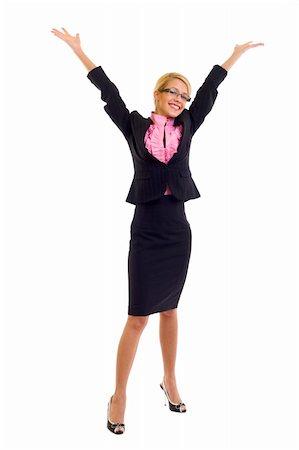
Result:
{"points": [[206, 96], [207, 93], [75, 44], [115, 107]]}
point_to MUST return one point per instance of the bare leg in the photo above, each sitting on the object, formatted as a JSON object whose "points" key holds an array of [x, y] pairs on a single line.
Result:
{"points": [[168, 340], [125, 356]]}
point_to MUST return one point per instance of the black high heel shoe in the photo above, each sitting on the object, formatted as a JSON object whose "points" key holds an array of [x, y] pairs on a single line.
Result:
{"points": [[116, 428], [176, 407]]}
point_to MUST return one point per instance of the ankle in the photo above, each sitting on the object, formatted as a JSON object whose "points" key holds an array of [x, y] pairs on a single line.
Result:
{"points": [[169, 379], [119, 396]]}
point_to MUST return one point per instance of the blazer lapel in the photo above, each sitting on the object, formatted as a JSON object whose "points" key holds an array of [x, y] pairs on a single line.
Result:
{"points": [[182, 147]]}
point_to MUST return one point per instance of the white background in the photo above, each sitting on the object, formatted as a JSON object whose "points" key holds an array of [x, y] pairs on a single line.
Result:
{"points": [[67, 172]]}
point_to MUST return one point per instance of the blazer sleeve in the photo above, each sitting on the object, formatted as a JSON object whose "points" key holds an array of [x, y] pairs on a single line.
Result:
{"points": [[115, 106], [206, 96]]}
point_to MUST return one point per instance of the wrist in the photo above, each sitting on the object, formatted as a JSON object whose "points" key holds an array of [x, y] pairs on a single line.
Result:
{"points": [[77, 50], [236, 54]]}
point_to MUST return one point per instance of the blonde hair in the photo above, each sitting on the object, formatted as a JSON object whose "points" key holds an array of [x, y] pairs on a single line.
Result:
{"points": [[163, 81]]}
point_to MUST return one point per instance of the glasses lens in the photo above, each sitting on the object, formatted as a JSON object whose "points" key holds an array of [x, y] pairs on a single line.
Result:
{"points": [[174, 92]]}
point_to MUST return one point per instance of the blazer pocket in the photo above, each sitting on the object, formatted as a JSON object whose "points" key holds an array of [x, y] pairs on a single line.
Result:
{"points": [[185, 173], [142, 175]]}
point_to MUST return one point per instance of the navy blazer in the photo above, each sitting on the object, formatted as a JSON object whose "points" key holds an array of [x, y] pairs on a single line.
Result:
{"points": [[151, 175]]}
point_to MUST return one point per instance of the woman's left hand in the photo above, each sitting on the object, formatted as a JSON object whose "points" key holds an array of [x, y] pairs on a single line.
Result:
{"points": [[240, 49]]}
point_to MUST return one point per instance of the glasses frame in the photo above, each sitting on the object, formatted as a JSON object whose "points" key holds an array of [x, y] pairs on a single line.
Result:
{"points": [[174, 91]]}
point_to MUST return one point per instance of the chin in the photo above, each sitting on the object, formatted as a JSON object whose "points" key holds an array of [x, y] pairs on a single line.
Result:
{"points": [[173, 113]]}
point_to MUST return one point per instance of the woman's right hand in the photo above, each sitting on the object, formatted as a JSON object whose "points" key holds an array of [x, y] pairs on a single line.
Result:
{"points": [[72, 41]]}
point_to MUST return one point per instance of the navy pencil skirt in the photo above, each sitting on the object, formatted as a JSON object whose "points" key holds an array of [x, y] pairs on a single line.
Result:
{"points": [[159, 253]]}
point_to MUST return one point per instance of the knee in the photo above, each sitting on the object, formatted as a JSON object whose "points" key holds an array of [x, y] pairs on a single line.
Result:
{"points": [[138, 323], [170, 314]]}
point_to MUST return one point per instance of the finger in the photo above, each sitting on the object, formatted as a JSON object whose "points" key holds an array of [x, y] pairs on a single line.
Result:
{"points": [[66, 32], [58, 33], [257, 45]]}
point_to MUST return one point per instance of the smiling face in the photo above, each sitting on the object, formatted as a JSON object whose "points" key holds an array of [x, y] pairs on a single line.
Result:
{"points": [[170, 105]]}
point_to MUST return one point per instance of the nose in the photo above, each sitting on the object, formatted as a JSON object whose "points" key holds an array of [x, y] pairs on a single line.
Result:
{"points": [[177, 99]]}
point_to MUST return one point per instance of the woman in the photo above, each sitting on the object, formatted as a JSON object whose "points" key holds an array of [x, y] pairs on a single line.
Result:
{"points": [[160, 242]]}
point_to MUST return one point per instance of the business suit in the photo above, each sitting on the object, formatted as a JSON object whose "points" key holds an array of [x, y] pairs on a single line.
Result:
{"points": [[150, 175], [160, 244]]}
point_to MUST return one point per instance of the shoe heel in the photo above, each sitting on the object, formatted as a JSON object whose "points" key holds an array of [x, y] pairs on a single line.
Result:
{"points": [[165, 397]]}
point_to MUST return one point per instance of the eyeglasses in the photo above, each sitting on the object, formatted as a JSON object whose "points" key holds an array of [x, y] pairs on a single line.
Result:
{"points": [[175, 93]]}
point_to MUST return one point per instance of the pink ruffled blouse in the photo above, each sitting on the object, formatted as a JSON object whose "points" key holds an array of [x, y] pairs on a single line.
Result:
{"points": [[162, 139]]}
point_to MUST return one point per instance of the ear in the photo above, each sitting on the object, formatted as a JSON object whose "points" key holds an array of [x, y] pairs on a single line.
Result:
{"points": [[156, 95]]}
